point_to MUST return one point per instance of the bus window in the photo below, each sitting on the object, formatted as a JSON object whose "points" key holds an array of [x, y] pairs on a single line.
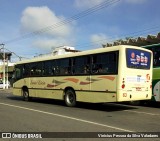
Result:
{"points": [[49, 68], [65, 66], [18, 72], [104, 63], [26, 70], [138, 59], [36, 69], [81, 65], [112, 63], [95, 63]]}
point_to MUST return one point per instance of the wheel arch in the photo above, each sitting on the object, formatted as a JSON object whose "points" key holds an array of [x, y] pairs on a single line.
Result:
{"points": [[24, 88]]}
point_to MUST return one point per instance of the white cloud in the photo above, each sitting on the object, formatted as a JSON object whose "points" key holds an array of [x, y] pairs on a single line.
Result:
{"points": [[99, 38], [87, 3], [37, 18], [48, 44]]}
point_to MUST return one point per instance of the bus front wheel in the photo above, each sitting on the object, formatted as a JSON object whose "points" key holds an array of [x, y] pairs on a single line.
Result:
{"points": [[70, 98], [26, 95]]}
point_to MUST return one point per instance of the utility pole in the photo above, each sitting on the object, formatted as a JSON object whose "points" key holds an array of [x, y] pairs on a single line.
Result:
{"points": [[3, 66], [7, 74]]}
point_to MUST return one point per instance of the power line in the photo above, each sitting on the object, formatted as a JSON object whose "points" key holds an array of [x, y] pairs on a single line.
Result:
{"points": [[112, 39], [67, 21], [20, 57], [132, 34], [81, 15]]}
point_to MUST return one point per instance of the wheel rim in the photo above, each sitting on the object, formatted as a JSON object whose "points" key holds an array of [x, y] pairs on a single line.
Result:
{"points": [[26, 95], [70, 98]]}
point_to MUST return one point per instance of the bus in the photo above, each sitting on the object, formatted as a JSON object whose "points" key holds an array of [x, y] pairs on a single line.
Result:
{"points": [[112, 74], [155, 48]]}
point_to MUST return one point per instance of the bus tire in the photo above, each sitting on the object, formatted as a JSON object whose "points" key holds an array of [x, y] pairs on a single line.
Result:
{"points": [[26, 95], [70, 98]]}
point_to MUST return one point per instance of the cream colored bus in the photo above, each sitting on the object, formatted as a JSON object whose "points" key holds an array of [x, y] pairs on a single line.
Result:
{"points": [[113, 74]]}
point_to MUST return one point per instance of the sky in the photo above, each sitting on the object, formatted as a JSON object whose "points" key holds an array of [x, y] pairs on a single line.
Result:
{"points": [[32, 27]]}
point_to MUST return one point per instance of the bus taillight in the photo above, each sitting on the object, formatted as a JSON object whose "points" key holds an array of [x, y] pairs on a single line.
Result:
{"points": [[123, 85]]}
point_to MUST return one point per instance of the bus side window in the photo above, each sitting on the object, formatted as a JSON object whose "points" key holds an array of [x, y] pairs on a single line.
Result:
{"points": [[36, 69], [81, 65], [104, 63], [86, 69], [94, 68], [26, 71], [63, 66], [100, 69], [47, 68], [98, 63], [57, 71], [18, 73]]}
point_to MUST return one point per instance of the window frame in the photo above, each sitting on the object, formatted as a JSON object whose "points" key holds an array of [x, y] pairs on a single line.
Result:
{"points": [[71, 65]]}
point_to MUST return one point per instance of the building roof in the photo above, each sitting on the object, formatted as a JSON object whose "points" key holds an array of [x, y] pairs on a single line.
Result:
{"points": [[139, 41]]}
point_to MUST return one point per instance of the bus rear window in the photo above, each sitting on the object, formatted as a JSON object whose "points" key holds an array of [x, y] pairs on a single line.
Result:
{"points": [[138, 59]]}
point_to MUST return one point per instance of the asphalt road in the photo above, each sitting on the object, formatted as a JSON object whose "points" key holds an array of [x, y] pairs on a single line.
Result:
{"points": [[44, 115]]}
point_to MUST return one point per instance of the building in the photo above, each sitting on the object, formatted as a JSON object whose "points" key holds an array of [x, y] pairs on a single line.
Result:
{"points": [[9, 67]]}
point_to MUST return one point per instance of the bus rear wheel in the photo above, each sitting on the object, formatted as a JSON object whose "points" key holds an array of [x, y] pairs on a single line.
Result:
{"points": [[26, 95], [70, 98]]}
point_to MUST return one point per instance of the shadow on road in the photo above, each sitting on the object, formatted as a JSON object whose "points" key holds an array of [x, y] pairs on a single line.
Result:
{"points": [[108, 107]]}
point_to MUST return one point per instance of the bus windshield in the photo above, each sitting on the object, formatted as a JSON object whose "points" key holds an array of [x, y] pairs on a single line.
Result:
{"points": [[138, 59]]}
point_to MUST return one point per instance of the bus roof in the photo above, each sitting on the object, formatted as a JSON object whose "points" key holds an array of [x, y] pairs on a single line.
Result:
{"points": [[99, 50]]}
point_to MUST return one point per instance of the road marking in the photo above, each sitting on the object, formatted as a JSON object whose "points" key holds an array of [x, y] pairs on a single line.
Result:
{"points": [[142, 113], [67, 117]]}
